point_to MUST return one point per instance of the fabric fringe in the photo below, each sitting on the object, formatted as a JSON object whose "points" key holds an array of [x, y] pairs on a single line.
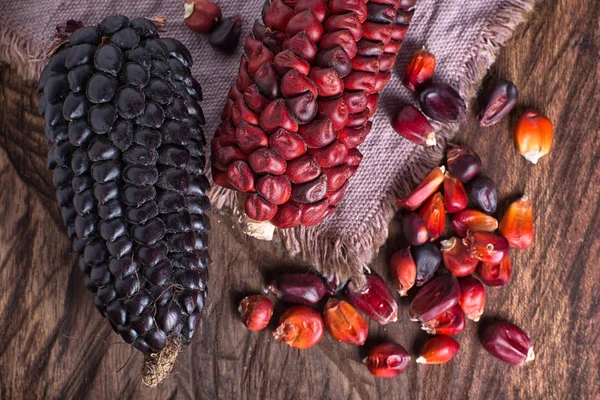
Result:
{"points": [[23, 53], [494, 36]]}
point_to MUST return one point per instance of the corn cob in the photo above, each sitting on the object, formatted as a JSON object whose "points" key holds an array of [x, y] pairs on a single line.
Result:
{"points": [[308, 82], [127, 156]]}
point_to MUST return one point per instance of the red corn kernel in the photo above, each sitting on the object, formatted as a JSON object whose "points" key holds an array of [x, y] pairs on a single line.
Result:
{"points": [[455, 195], [249, 137], [289, 145], [436, 297], [341, 38], [310, 192], [508, 343], [495, 275], [365, 64], [438, 350], [336, 109], [331, 155], [472, 297], [256, 312], [424, 190], [201, 16], [353, 137], [278, 15], [414, 229], [456, 259], [276, 116], [318, 133], [220, 179], [267, 161], [327, 81], [301, 44], [348, 21], [372, 101], [403, 271], [343, 6], [420, 70], [356, 101], [501, 100], [411, 124], [359, 80], [287, 216], [336, 177], [303, 169], [466, 221], [373, 299], [336, 197], [354, 158], [259, 57], [240, 176], [267, 82], [452, 322], [254, 98], [275, 188], [393, 46], [287, 60], [533, 135], [314, 213], [344, 323], [300, 327], [439, 101], [387, 61], [294, 83], [387, 360], [407, 4], [258, 208], [305, 21], [226, 156], [516, 224], [250, 45], [404, 17], [486, 247], [433, 213], [317, 7]]}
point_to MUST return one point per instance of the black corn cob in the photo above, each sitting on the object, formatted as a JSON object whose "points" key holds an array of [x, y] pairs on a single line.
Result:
{"points": [[124, 124]]}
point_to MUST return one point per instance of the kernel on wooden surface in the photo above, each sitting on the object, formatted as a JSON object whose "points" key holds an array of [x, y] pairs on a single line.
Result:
{"points": [[533, 135], [516, 224], [438, 350], [403, 271], [387, 360], [508, 343], [300, 327], [344, 323]]}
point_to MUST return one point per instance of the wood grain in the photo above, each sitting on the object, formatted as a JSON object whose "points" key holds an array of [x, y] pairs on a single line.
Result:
{"points": [[55, 345]]}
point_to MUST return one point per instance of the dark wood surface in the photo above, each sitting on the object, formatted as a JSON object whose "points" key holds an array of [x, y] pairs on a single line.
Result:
{"points": [[53, 343]]}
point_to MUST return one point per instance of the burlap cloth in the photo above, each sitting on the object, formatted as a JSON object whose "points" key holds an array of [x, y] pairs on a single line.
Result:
{"points": [[464, 35]]}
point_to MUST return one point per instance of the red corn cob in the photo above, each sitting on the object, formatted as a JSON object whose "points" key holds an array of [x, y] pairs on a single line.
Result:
{"points": [[308, 83]]}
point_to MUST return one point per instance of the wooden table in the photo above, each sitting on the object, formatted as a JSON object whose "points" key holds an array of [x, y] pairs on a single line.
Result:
{"points": [[54, 344]]}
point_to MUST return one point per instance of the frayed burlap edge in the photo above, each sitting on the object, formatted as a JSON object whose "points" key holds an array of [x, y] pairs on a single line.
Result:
{"points": [[23, 53], [349, 259]]}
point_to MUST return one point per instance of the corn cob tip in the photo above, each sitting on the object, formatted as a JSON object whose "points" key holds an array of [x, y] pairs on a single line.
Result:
{"points": [[157, 366]]}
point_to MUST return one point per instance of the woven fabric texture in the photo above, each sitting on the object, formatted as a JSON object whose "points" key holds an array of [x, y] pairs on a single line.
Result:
{"points": [[464, 35]]}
